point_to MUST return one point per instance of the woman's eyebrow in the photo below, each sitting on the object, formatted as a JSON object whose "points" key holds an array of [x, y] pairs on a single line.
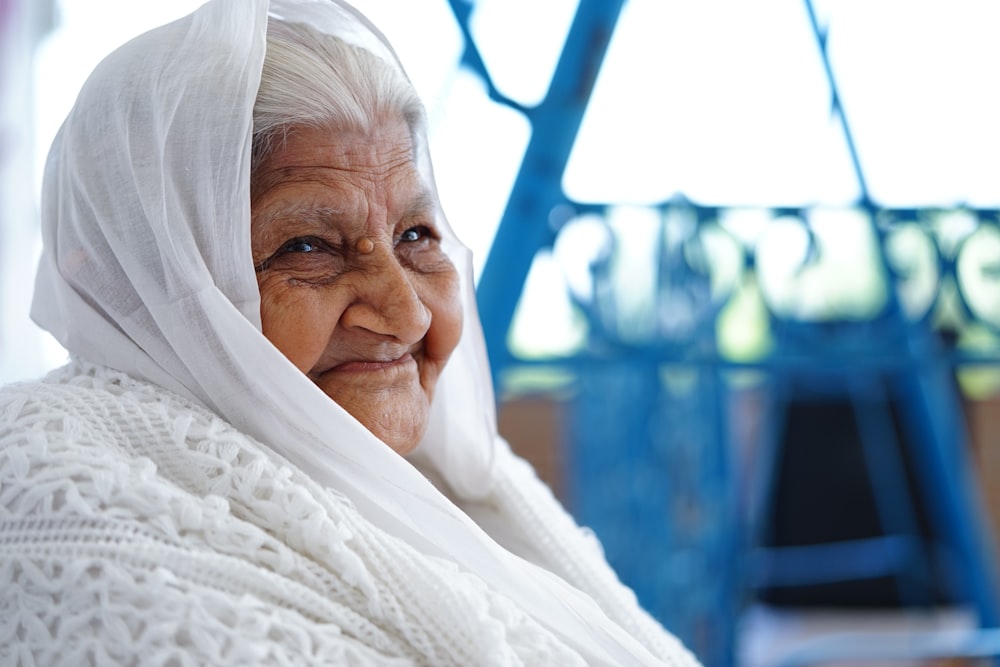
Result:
{"points": [[423, 203]]}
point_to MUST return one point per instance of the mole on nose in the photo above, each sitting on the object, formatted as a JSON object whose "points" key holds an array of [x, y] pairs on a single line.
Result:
{"points": [[365, 245]]}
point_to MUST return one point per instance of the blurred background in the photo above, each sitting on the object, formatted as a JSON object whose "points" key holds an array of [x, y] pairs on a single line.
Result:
{"points": [[738, 266]]}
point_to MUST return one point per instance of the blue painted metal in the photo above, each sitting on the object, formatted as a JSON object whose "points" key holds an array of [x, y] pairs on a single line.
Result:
{"points": [[647, 477], [471, 58], [524, 228], [941, 444], [835, 106], [646, 459], [651, 462], [881, 447], [946, 472]]}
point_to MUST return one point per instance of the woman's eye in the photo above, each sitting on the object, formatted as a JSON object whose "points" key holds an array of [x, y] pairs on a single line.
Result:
{"points": [[304, 253], [299, 245], [414, 234]]}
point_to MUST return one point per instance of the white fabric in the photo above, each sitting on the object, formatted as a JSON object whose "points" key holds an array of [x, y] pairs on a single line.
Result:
{"points": [[147, 269], [137, 528]]}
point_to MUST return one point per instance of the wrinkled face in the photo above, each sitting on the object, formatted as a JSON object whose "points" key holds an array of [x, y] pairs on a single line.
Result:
{"points": [[355, 287]]}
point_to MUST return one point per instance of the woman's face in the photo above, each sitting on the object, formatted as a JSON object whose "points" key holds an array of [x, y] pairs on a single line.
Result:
{"points": [[355, 287]]}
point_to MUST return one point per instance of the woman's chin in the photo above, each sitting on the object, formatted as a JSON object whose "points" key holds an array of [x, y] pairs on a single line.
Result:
{"points": [[402, 443], [397, 417]]}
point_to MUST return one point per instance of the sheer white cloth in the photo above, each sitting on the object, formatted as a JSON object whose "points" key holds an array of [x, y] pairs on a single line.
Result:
{"points": [[147, 269]]}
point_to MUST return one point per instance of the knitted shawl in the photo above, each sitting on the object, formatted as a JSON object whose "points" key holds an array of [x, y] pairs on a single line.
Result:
{"points": [[138, 528]]}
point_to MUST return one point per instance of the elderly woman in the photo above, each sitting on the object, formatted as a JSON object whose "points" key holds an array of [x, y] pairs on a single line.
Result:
{"points": [[275, 441]]}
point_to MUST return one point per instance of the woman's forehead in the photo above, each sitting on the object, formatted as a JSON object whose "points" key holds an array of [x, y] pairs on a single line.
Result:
{"points": [[388, 137], [341, 173]]}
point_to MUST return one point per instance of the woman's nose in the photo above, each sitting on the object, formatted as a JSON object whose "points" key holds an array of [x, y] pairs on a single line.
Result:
{"points": [[386, 299]]}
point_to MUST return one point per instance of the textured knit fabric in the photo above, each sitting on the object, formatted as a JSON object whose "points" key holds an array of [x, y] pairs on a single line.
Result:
{"points": [[137, 528]]}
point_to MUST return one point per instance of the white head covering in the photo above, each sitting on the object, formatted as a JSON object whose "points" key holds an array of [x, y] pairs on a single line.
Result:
{"points": [[147, 269]]}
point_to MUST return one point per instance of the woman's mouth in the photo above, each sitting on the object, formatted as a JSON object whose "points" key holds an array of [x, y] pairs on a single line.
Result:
{"points": [[369, 366]]}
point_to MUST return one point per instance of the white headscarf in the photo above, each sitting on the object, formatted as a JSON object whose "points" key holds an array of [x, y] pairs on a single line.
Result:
{"points": [[147, 269]]}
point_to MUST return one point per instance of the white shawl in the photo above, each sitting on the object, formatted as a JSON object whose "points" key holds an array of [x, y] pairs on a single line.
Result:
{"points": [[147, 269]]}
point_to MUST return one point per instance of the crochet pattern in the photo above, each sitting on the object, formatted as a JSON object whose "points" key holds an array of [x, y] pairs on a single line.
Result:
{"points": [[139, 528]]}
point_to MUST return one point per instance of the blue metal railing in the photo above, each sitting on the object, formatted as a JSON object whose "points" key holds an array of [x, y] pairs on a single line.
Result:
{"points": [[652, 466]]}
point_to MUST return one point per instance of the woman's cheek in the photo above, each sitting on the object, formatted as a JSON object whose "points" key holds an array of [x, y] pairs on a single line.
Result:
{"points": [[445, 305], [295, 320]]}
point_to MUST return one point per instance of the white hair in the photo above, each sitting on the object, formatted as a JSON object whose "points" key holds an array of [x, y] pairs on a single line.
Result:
{"points": [[313, 79]]}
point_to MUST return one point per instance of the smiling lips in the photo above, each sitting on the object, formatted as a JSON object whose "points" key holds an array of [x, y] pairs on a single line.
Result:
{"points": [[372, 366]]}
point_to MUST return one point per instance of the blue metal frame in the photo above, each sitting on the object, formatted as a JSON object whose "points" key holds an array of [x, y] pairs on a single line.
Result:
{"points": [[667, 454], [942, 452], [524, 227]]}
